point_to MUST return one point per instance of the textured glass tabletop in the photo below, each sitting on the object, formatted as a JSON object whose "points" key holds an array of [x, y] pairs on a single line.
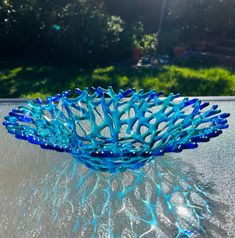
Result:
{"points": [[46, 194]]}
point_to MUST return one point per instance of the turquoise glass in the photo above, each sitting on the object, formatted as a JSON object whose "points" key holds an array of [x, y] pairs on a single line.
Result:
{"points": [[113, 132]]}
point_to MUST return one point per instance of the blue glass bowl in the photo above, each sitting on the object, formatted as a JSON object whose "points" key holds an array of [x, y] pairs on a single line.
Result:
{"points": [[112, 132]]}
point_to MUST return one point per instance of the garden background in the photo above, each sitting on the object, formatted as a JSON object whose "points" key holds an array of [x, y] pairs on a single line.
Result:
{"points": [[185, 46]]}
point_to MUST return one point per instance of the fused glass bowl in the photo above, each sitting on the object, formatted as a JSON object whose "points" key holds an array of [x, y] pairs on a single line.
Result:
{"points": [[112, 132]]}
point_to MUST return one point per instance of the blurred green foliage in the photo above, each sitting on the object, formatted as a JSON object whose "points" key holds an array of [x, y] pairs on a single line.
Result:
{"points": [[149, 43], [77, 39], [91, 32], [35, 80], [78, 31], [188, 22]]}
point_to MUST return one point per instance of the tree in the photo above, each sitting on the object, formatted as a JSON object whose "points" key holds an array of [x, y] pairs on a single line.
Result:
{"points": [[77, 30]]}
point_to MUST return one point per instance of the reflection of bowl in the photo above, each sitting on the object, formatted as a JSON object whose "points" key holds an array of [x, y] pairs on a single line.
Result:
{"points": [[114, 132]]}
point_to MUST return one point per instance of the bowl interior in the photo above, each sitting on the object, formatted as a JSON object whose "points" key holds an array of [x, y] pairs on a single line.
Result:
{"points": [[128, 126]]}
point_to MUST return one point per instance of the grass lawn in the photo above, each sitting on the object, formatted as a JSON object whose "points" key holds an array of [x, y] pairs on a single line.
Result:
{"points": [[27, 79]]}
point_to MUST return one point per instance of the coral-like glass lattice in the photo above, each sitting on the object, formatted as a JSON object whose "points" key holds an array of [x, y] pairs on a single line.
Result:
{"points": [[112, 132]]}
